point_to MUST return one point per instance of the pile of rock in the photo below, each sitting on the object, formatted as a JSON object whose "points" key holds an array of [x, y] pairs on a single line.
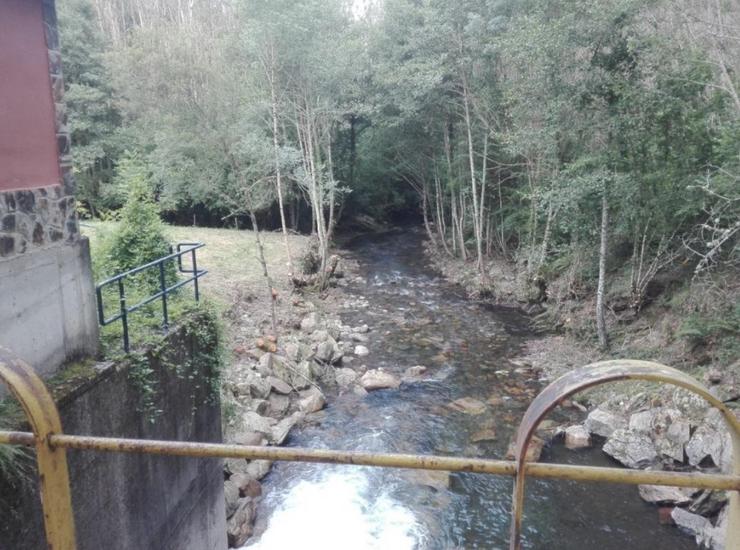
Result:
{"points": [[668, 437], [279, 389]]}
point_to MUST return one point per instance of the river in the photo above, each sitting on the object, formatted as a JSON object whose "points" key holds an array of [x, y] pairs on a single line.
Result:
{"points": [[419, 319]]}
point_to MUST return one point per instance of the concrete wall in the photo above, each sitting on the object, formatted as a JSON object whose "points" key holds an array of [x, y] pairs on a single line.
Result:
{"points": [[47, 306], [47, 303], [134, 502]]}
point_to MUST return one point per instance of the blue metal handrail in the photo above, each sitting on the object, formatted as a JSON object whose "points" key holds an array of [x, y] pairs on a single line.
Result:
{"points": [[182, 249]]}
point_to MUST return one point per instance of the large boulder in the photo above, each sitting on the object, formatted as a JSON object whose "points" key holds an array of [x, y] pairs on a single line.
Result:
{"points": [[345, 377], [377, 379], [329, 351], [711, 440], [254, 385], [604, 423], [668, 429], [705, 534], [281, 430], [311, 401], [279, 405], [633, 449], [254, 422], [279, 386], [296, 375], [297, 352]]}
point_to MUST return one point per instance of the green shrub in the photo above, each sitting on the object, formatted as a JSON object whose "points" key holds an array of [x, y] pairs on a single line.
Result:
{"points": [[140, 236]]}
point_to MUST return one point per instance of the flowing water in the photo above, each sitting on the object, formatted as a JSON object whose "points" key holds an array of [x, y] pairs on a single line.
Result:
{"points": [[419, 319]]}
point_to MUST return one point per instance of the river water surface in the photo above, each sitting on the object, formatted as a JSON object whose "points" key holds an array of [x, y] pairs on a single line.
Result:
{"points": [[417, 318]]}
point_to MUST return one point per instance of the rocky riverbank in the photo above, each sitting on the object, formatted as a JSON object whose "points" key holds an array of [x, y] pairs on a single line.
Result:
{"points": [[278, 382], [637, 424]]}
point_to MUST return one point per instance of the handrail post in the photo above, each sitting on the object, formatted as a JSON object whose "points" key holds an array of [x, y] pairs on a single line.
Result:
{"points": [[124, 314], [163, 288], [195, 276], [43, 416]]}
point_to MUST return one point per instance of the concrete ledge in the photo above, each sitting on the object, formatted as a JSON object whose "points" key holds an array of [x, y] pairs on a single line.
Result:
{"points": [[47, 306]]}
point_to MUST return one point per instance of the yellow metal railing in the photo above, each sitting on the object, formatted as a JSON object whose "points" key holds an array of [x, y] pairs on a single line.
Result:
{"points": [[51, 445]]}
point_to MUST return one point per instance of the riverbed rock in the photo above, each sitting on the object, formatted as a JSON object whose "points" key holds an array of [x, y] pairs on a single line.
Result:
{"points": [[234, 466], [281, 430], [254, 385], [534, 450], [633, 449], [413, 374], [240, 525], [468, 405], [249, 438], [329, 351], [708, 503], [698, 526], [358, 390], [297, 375], [709, 443], [667, 427], [296, 351], [345, 377], [255, 422], [231, 496], [279, 386], [604, 423], [311, 401], [495, 400], [659, 494], [279, 405], [310, 322], [577, 437], [378, 379], [434, 479], [361, 329], [257, 469], [248, 487], [361, 351], [485, 434]]}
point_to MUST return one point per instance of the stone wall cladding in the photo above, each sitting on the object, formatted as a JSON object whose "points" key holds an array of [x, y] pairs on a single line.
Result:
{"points": [[36, 218], [46, 216]]}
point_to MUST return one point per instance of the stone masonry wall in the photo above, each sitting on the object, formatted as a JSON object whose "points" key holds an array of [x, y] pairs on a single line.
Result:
{"points": [[43, 217]]}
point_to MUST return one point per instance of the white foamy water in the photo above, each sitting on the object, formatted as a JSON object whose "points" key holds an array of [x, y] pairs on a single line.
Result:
{"points": [[336, 513]]}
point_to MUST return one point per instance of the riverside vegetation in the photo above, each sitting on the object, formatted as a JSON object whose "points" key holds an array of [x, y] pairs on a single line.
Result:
{"points": [[579, 159]]}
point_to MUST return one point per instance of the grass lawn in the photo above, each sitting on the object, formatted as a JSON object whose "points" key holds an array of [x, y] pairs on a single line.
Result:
{"points": [[230, 256], [234, 274]]}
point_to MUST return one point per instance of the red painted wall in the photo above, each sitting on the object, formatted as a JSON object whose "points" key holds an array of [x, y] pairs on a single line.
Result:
{"points": [[28, 149]]}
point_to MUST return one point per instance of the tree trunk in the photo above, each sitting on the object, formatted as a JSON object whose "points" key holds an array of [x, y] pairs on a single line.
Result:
{"points": [[601, 288], [473, 180], [263, 263], [278, 170]]}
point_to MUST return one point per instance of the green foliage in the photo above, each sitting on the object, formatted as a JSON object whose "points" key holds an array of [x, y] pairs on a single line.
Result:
{"points": [[700, 328], [200, 328], [140, 236], [94, 120]]}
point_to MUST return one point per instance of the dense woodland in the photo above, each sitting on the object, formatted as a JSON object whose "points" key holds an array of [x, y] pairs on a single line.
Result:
{"points": [[575, 139]]}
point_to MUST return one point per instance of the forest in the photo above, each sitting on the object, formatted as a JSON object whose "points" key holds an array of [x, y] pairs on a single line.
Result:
{"points": [[577, 141]]}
